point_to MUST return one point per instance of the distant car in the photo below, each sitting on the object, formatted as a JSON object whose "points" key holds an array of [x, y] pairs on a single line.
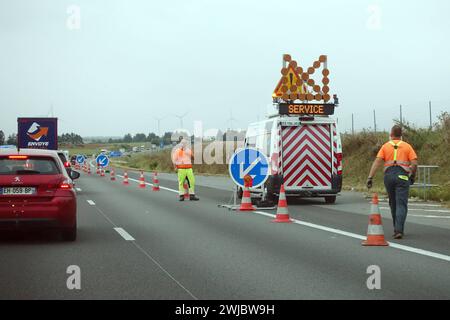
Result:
{"points": [[73, 159], [37, 192], [62, 155]]}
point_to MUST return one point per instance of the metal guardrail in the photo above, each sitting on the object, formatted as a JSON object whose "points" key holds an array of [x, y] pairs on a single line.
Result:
{"points": [[424, 179]]}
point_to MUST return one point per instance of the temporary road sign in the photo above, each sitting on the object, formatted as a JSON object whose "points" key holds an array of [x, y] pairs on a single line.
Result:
{"points": [[80, 159], [251, 162], [102, 160]]}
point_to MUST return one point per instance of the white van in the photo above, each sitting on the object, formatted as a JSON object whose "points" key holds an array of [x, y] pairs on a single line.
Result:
{"points": [[305, 154]]}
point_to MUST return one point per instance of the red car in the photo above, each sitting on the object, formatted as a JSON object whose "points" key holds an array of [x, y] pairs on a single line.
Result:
{"points": [[37, 191]]}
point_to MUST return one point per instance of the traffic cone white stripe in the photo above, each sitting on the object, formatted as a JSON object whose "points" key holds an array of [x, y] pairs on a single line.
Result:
{"points": [[375, 229], [282, 210], [375, 233]]}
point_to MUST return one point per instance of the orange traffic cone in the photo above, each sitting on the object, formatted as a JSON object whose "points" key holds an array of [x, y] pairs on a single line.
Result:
{"points": [[155, 182], [375, 233], [125, 178], [186, 190], [102, 172], [89, 170], [142, 180], [246, 203], [282, 209], [113, 175], [98, 169]]}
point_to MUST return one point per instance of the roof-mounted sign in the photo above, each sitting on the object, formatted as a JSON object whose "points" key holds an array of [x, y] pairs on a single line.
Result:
{"points": [[297, 83], [313, 109]]}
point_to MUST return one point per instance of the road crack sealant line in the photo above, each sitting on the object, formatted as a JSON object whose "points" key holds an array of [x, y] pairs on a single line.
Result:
{"points": [[418, 251], [148, 255]]}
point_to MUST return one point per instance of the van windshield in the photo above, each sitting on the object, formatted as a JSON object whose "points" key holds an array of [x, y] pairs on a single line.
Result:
{"points": [[28, 166]]}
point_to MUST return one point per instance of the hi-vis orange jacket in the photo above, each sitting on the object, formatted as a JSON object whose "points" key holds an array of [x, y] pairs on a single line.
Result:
{"points": [[182, 158], [397, 153]]}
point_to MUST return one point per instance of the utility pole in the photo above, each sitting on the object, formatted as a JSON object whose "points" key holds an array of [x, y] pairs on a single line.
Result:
{"points": [[374, 121], [431, 122], [353, 125]]}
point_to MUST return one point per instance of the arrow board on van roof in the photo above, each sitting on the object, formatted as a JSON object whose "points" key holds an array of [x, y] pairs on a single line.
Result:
{"points": [[297, 83]]}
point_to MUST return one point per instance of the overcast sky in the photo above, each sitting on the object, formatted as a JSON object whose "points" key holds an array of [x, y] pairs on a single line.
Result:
{"points": [[127, 62]]}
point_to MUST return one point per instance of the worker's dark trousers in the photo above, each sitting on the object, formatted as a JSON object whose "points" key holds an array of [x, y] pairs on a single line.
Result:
{"points": [[398, 192]]}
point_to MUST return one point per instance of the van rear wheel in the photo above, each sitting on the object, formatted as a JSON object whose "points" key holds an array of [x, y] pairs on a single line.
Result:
{"points": [[330, 200]]}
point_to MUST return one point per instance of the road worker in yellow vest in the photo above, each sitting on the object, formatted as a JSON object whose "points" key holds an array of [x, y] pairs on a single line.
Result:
{"points": [[400, 167], [182, 161]]}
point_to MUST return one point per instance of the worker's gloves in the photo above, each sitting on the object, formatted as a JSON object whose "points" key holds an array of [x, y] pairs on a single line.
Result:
{"points": [[412, 179], [369, 183]]}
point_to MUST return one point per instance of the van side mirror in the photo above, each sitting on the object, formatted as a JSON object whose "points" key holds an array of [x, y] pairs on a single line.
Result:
{"points": [[74, 175]]}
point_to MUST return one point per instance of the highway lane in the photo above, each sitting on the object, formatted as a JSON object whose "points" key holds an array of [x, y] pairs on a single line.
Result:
{"points": [[196, 250], [350, 213]]}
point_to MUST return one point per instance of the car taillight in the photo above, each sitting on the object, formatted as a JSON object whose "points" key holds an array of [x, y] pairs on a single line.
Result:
{"points": [[18, 157], [67, 164], [339, 163], [65, 185]]}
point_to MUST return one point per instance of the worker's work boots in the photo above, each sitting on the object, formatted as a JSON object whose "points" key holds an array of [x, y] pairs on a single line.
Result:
{"points": [[192, 197]]}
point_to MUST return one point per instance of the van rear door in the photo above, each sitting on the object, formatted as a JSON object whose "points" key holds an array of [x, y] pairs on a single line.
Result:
{"points": [[307, 156]]}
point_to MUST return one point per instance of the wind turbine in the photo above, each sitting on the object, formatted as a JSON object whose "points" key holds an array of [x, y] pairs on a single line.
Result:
{"points": [[231, 119], [180, 117], [158, 119]]}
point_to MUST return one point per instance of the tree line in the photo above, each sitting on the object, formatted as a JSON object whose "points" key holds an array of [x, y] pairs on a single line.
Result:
{"points": [[11, 139], [142, 137]]}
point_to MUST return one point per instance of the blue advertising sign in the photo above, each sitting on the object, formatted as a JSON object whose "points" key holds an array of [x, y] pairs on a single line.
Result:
{"points": [[80, 159], [37, 133], [251, 162], [102, 160]]}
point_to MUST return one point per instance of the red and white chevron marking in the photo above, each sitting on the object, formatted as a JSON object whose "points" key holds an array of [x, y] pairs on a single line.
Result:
{"points": [[307, 156]]}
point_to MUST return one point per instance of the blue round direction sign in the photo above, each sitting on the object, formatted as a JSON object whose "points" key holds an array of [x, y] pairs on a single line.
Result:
{"points": [[251, 162], [102, 160], [80, 159]]}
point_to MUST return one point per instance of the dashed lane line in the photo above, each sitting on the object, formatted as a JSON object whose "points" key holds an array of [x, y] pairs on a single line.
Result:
{"points": [[92, 203], [124, 234], [423, 210], [340, 232]]}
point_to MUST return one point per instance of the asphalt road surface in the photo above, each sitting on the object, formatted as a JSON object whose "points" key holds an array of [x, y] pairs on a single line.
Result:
{"points": [[139, 244]]}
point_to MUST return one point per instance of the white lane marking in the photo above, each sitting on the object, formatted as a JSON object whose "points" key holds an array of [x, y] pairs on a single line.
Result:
{"points": [[92, 203], [150, 184], [417, 204], [424, 210], [124, 234], [345, 233], [360, 237], [420, 251], [78, 189], [428, 216], [148, 255]]}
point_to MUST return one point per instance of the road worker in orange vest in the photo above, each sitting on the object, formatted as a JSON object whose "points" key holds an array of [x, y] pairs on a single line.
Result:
{"points": [[182, 161], [400, 167]]}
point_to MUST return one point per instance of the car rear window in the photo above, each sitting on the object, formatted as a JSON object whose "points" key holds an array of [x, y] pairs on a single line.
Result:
{"points": [[29, 166], [62, 156]]}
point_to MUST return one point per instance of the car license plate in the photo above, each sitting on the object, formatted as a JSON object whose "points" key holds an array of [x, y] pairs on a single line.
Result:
{"points": [[17, 190]]}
